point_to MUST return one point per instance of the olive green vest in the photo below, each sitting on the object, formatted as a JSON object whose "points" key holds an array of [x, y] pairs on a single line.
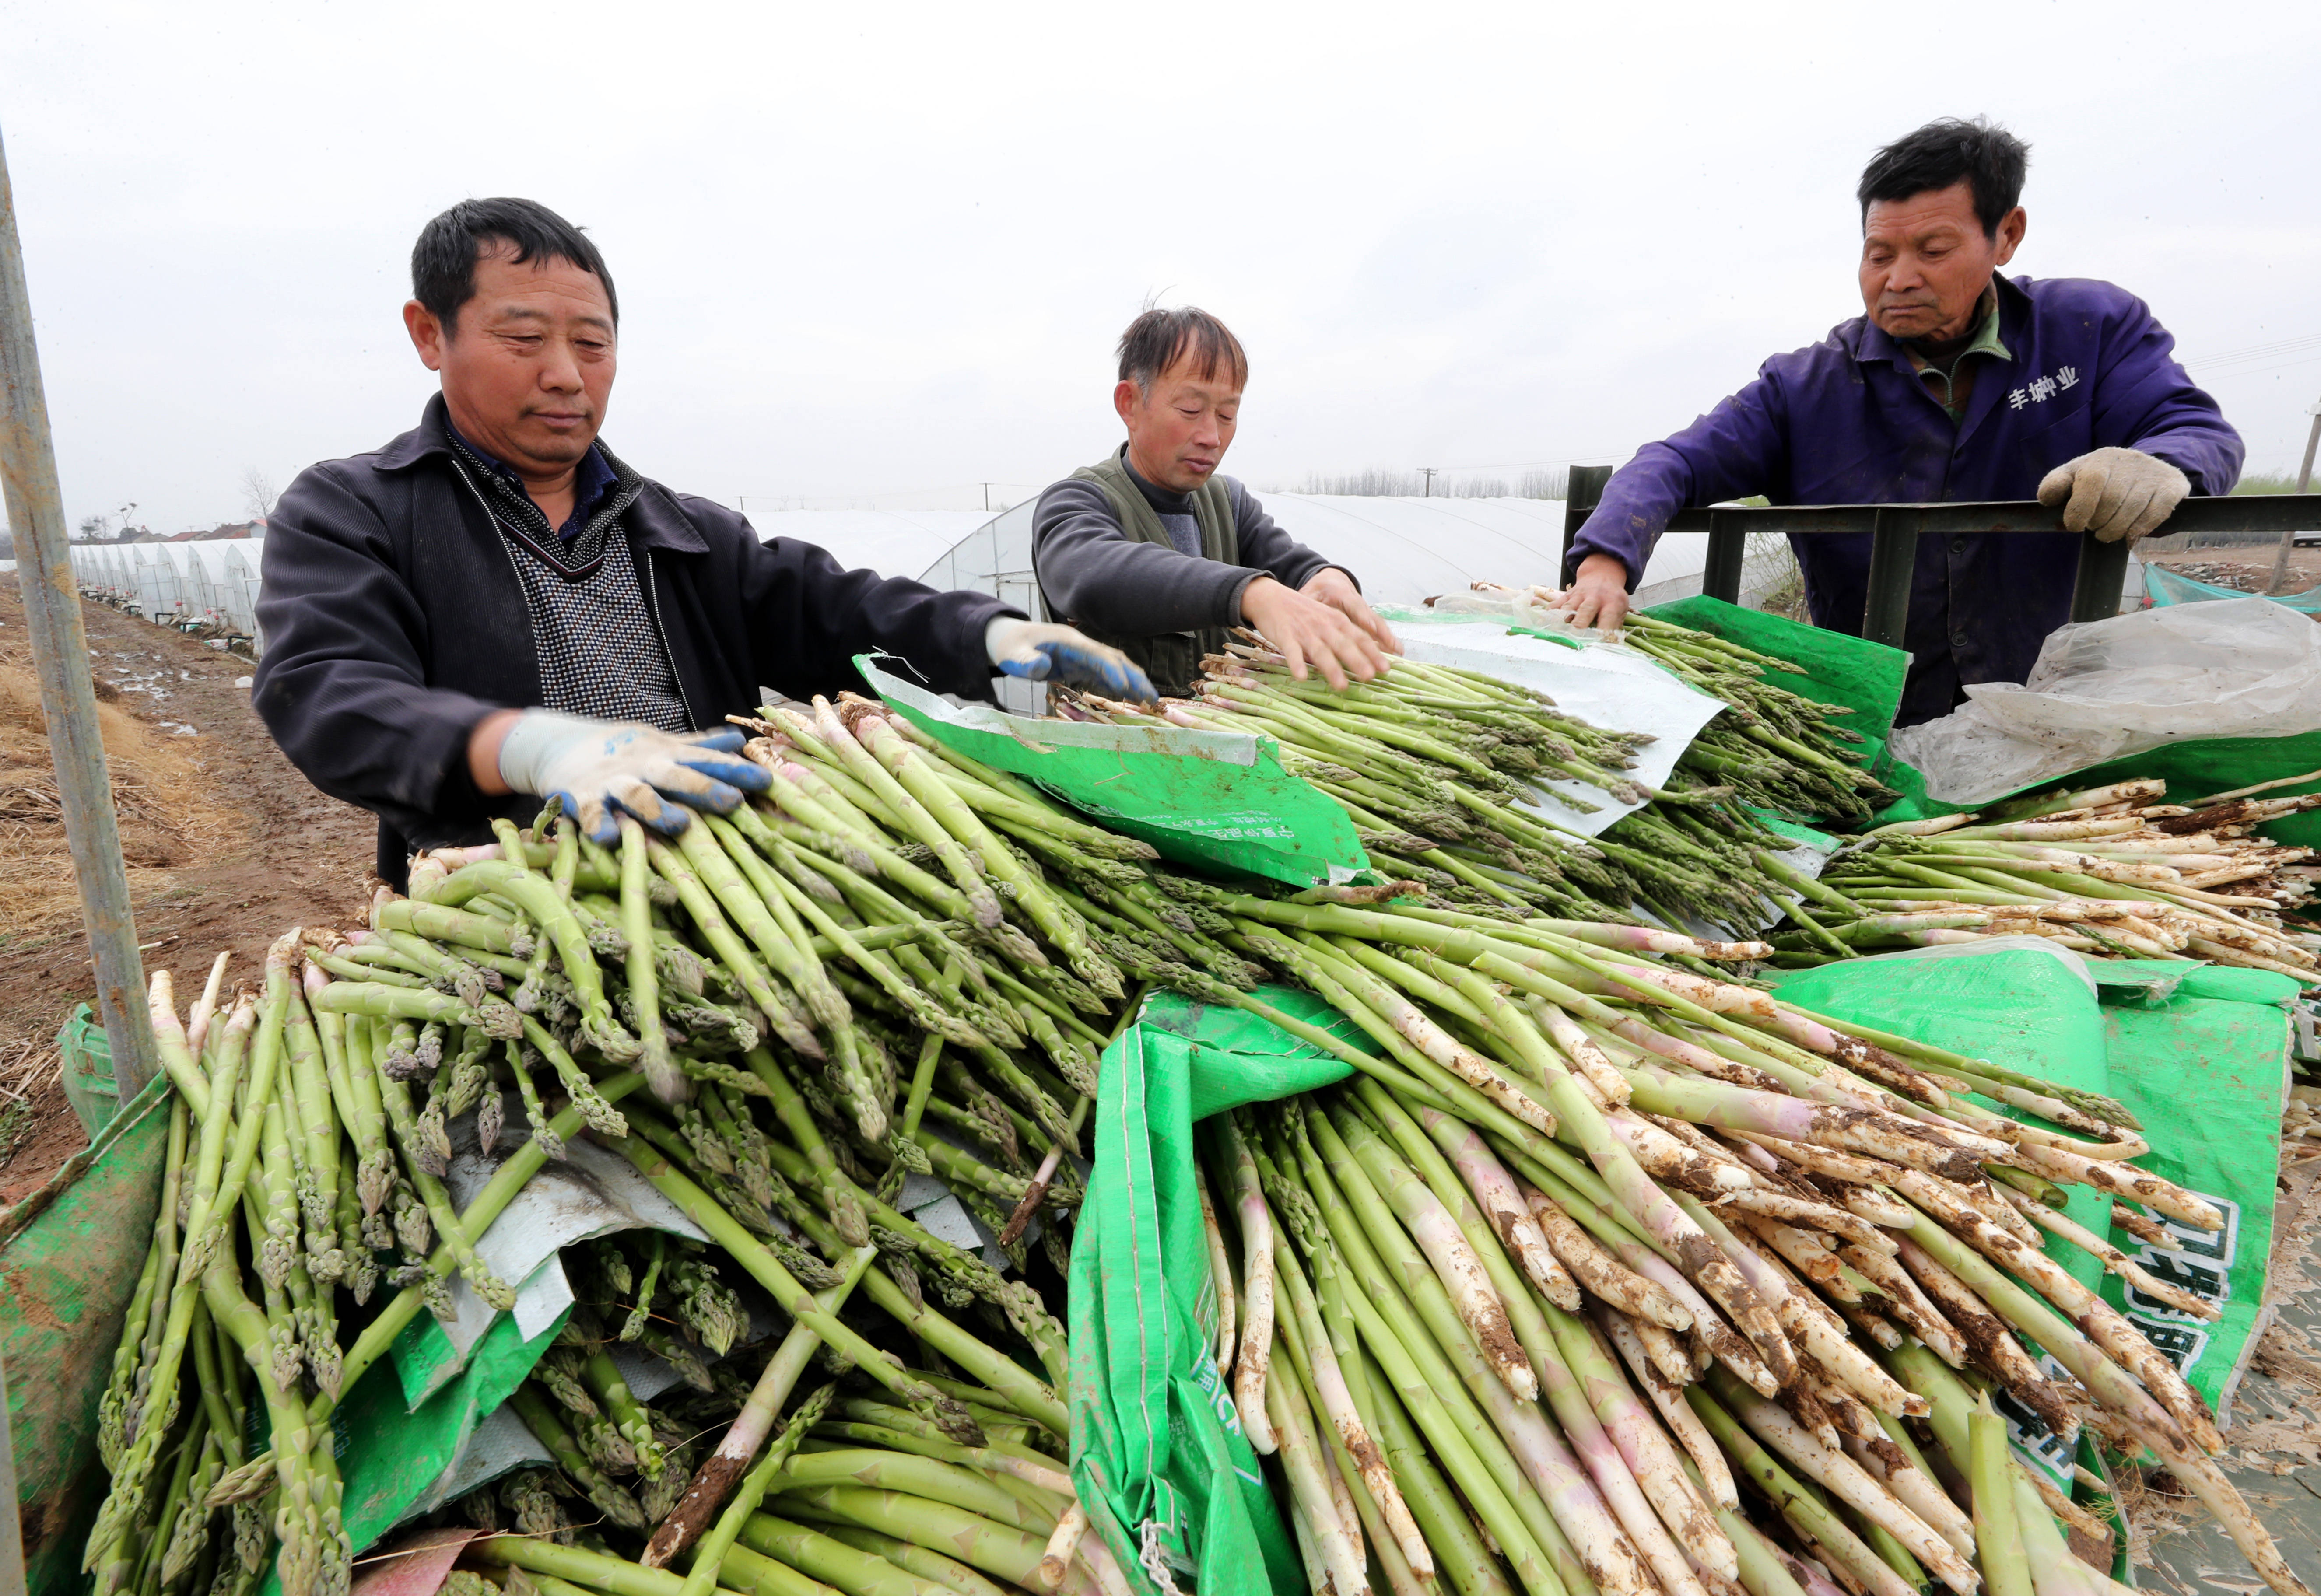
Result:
{"points": [[1171, 659]]}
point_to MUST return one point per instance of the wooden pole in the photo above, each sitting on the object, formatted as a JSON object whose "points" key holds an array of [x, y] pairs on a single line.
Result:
{"points": [[44, 574]]}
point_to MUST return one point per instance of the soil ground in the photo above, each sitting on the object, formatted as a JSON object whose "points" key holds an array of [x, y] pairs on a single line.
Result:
{"points": [[285, 856]]}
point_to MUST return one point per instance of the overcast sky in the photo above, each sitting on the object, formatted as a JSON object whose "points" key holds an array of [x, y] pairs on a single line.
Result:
{"points": [[880, 254]]}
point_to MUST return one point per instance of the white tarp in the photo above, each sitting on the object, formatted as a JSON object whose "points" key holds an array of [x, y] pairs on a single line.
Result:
{"points": [[1612, 688]]}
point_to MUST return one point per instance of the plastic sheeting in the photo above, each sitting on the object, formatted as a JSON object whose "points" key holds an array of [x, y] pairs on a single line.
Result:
{"points": [[2245, 668]]}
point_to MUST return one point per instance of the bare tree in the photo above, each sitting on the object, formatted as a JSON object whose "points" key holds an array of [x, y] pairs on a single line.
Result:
{"points": [[95, 529], [258, 492]]}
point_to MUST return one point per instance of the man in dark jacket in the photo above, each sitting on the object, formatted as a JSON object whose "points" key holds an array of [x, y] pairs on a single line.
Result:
{"points": [[1957, 383], [494, 608], [1151, 551]]}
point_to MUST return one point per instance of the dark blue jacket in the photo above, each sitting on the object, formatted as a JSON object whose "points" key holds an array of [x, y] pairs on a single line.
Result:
{"points": [[1849, 421], [394, 622]]}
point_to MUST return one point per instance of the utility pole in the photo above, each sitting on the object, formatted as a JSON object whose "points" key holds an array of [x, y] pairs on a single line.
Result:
{"points": [[2304, 480], [44, 576], [1428, 473], [987, 498]]}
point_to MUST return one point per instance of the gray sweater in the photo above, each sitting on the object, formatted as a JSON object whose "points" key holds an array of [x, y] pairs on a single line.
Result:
{"points": [[1092, 576]]}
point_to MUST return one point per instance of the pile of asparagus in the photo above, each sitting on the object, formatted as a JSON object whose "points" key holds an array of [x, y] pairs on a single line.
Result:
{"points": [[860, 978], [1778, 748], [2114, 871], [1602, 1278], [1432, 763]]}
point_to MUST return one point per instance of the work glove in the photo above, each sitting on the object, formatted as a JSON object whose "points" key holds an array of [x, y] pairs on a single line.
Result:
{"points": [[2115, 493], [599, 767], [1039, 652]]}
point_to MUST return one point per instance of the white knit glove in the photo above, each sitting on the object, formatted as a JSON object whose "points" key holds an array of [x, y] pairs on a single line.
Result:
{"points": [[599, 767], [2115, 493]]}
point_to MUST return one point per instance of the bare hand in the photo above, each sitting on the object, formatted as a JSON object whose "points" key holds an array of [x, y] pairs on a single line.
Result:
{"points": [[1598, 593], [1335, 588], [1310, 630]]}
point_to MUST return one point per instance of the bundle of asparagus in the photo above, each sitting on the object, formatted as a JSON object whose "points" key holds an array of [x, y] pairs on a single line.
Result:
{"points": [[1595, 1244], [1778, 748], [2114, 871], [865, 920], [1431, 762]]}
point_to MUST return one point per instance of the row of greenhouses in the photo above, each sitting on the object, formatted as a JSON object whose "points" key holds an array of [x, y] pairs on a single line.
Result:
{"points": [[211, 586]]}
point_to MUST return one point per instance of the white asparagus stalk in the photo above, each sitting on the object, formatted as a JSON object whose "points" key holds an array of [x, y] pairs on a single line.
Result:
{"points": [[1992, 1344], [1646, 1449], [1599, 1271], [2102, 1324], [1668, 1351], [1301, 1458], [1436, 1231], [2139, 1185], [197, 1025], [1853, 1168], [1586, 1056], [1910, 1304], [1822, 1334], [1257, 1289], [1502, 1202], [1220, 1272], [1666, 1158], [1337, 1403], [1802, 1250], [1846, 1480], [1884, 1462], [2114, 1260], [1061, 1544], [1668, 1396]]}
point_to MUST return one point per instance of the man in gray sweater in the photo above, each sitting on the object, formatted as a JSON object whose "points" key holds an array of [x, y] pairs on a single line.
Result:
{"points": [[1152, 552]]}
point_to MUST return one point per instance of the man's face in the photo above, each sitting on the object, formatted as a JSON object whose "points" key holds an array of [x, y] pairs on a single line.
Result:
{"points": [[527, 365], [1180, 430], [1925, 261]]}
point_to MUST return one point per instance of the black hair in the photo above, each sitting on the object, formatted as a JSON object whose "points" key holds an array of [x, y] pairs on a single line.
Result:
{"points": [[1158, 339], [1992, 160], [443, 261]]}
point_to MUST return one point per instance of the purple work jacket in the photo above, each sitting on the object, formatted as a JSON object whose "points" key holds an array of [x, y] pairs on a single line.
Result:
{"points": [[1849, 421]]}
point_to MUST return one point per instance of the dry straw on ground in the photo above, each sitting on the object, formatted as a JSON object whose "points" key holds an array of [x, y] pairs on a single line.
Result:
{"points": [[161, 800]]}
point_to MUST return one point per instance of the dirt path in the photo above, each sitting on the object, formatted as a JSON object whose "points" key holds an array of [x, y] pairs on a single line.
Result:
{"points": [[298, 858]]}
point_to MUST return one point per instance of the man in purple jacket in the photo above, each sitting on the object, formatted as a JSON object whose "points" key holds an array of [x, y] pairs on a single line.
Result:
{"points": [[1957, 383]]}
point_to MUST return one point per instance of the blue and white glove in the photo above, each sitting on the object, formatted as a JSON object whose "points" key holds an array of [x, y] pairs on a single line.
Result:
{"points": [[598, 768], [1040, 652]]}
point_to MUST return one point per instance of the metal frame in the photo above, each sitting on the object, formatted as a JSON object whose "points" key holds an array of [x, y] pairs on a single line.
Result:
{"points": [[1895, 530]]}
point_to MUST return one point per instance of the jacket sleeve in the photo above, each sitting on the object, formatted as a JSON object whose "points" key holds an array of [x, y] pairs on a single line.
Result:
{"points": [[809, 617], [1095, 576], [343, 685], [1739, 449], [2145, 399], [1266, 548]]}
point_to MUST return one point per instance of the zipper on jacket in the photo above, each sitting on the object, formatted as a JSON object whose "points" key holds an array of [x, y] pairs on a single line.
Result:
{"points": [[652, 608]]}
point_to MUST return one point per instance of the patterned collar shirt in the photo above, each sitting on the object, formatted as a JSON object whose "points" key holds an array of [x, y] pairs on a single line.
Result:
{"points": [[592, 620]]}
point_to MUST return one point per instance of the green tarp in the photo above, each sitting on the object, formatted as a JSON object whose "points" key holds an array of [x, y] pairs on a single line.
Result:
{"points": [[69, 1257], [1158, 1454], [2198, 1054], [1216, 799]]}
